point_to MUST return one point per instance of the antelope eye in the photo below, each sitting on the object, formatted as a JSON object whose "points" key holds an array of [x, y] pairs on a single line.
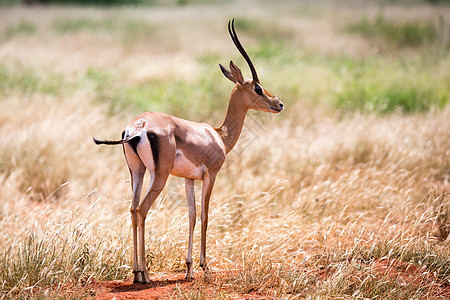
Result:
{"points": [[258, 89]]}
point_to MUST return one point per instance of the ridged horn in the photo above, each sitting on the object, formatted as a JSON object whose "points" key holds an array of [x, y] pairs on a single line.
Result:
{"points": [[241, 49]]}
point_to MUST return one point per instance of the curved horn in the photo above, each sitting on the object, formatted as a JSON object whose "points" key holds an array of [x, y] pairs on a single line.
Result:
{"points": [[238, 44]]}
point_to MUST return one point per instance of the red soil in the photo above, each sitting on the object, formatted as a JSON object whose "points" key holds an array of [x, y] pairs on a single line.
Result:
{"points": [[166, 285], [160, 288]]}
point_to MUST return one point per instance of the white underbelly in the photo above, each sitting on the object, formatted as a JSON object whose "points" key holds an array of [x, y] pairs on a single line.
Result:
{"points": [[183, 167]]}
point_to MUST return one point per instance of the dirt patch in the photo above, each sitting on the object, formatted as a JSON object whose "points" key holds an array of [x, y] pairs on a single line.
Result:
{"points": [[409, 274], [167, 285], [160, 288], [163, 286]]}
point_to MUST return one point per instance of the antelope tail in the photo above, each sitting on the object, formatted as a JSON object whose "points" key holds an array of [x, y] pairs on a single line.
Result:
{"points": [[123, 141]]}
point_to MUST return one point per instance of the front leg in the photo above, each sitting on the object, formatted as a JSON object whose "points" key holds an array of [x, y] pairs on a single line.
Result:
{"points": [[190, 195], [208, 183]]}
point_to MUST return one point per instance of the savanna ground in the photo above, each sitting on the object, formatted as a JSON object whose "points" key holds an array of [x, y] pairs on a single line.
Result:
{"points": [[345, 194]]}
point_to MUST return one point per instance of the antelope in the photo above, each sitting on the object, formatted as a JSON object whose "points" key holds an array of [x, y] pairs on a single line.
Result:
{"points": [[164, 144]]}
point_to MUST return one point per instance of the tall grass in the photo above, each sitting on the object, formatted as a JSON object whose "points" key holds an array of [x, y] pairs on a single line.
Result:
{"points": [[23, 28], [128, 30], [174, 97], [404, 94], [58, 257], [314, 202], [402, 33], [18, 79]]}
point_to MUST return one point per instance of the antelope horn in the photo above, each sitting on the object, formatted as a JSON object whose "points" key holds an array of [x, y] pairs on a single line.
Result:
{"points": [[238, 44]]}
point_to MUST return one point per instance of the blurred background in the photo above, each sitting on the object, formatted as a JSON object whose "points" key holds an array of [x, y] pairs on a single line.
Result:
{"points": [[352, 176]]}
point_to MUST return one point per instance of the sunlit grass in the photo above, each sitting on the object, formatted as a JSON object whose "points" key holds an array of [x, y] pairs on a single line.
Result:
{"points": [[344, 194], [57, 257]]}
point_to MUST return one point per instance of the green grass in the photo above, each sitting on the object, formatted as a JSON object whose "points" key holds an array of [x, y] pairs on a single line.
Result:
{"points": [[415, 84], [382, 85], [98, 2], [374, 85], [371, 85], [198, 99], [24, 28], [403, 96], [22, 80], [118, 2], [400, 33], [127, 30], [439, 1], [259, 29], [9, 2]]}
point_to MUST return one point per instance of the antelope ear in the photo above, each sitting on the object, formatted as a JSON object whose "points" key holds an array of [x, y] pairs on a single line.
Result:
{"points": [[237, 74], [227, 73]]}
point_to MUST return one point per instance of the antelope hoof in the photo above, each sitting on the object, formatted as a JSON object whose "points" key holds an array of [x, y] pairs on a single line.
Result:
{"points": [[145, 277], [189, 275], [137, 276], [141, 277]]}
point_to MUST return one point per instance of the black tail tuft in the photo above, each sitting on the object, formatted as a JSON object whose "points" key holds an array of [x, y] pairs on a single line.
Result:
{"points": [[99, 142]]}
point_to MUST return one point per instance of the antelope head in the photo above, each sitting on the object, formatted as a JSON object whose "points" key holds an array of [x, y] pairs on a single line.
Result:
{"points": [[250, 91]]}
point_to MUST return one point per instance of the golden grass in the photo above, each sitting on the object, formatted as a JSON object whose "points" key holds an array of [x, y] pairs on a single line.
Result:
{"points": [[310, 204]]}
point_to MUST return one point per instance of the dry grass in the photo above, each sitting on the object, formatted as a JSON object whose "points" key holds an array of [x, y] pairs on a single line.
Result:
{"points": [[313, 203]]}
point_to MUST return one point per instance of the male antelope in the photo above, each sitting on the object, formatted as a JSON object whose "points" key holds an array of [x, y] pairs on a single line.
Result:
{"points": [[164, 144]]}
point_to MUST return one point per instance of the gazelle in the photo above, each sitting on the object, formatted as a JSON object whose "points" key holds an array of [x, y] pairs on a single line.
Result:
{"points": [[164, 144]]}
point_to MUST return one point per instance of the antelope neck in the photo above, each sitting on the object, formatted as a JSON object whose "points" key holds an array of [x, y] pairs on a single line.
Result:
{"points": [[231, 128]]}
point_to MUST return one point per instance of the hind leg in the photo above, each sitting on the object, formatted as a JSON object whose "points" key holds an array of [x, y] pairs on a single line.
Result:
{"points": [[142, 210], [158, 155], [137, 170], [137, 179]]}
